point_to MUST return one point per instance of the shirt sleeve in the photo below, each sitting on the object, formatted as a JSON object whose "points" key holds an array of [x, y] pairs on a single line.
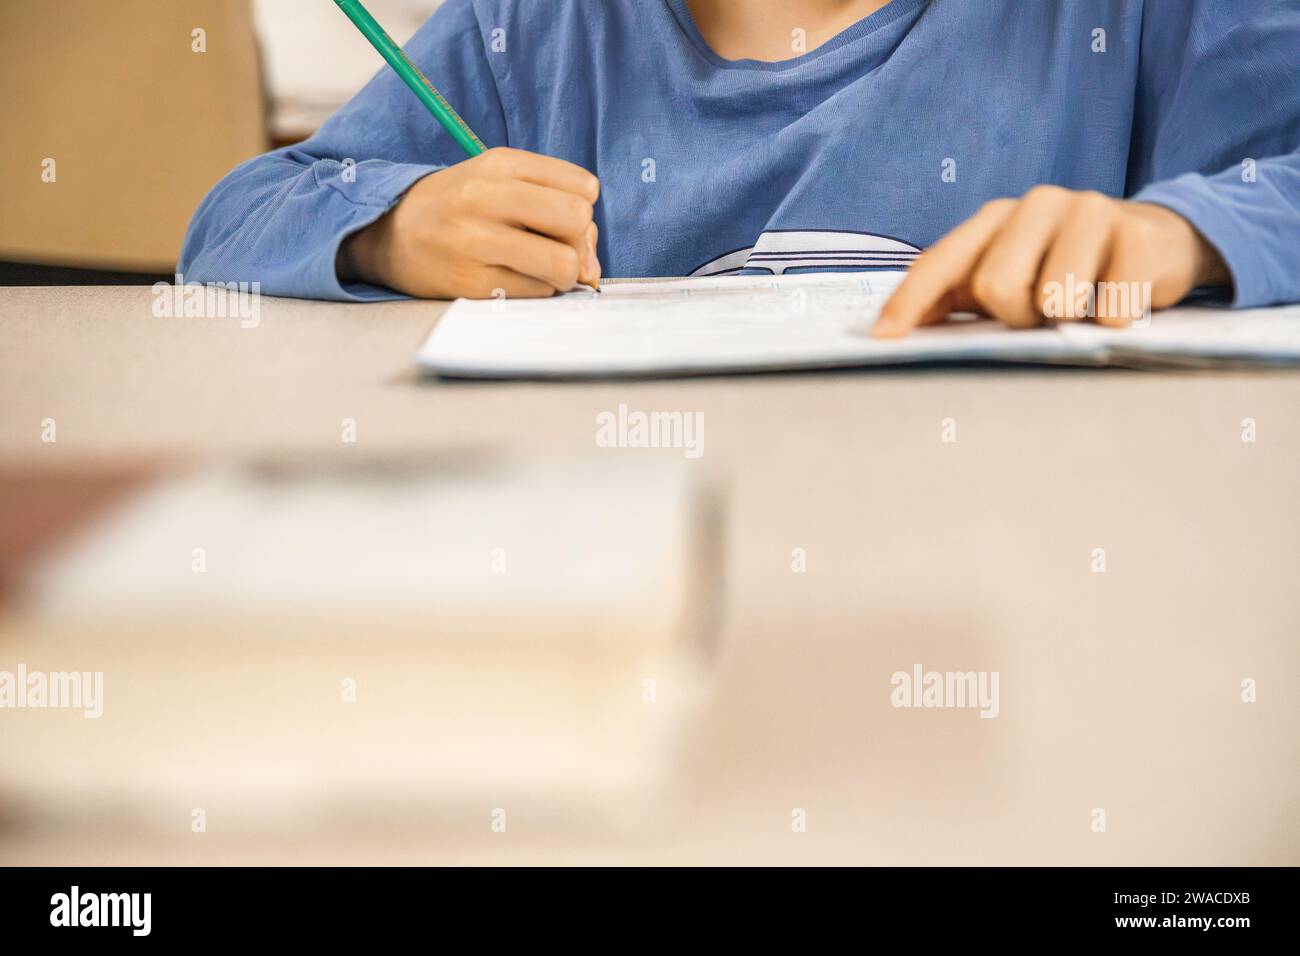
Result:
{"points": [[279, 219], [1217, 133]]}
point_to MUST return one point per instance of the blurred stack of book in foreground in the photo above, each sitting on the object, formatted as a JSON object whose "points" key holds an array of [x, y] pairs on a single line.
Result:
{"points": [[303, 645]]}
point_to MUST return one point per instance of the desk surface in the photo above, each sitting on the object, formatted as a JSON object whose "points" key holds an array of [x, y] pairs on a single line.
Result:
{"points": [[1119, 690]]}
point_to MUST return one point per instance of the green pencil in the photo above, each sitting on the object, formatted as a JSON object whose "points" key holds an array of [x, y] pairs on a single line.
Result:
{"points": [[419, 84]]}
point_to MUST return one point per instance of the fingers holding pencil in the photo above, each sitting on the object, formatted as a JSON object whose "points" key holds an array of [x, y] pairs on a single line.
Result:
{"points": [[453, 232]]}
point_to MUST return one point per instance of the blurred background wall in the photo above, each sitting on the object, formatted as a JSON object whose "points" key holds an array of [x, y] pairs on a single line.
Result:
{"points": [[315, 60], [119, 116]]}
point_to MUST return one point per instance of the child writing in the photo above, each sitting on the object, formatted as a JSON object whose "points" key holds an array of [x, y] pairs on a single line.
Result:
{"points": [[1018, 143]]}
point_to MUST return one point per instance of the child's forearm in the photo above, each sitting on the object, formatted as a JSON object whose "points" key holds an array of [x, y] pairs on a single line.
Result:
{"points": [[281, 219]]}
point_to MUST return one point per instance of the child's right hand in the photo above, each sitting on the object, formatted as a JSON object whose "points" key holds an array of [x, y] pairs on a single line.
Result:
{"points": [[505, 220]]}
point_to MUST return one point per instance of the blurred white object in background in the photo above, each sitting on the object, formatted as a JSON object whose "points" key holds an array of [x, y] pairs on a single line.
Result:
{"points": [[426, 640], [316, 60]]}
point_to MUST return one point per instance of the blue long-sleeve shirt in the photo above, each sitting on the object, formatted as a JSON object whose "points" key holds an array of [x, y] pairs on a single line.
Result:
{"points": [[854, 155]]}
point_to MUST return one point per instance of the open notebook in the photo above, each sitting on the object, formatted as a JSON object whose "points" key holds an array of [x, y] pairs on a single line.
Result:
{"points": [[771, 323]]}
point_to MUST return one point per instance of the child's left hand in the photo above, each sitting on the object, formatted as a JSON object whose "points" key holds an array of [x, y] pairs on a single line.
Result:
{"points": [[1002, 262]]}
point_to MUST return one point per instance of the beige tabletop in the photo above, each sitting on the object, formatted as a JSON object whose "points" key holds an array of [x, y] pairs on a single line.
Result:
{"points": [[1120, 691]]}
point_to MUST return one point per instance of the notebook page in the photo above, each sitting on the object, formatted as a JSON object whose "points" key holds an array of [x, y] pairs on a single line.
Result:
{"points": [[731, 323], [1196, 333]]}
